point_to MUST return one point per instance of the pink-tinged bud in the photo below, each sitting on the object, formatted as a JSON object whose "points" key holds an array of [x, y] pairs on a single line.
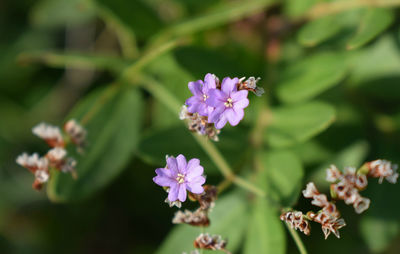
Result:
{"points": [[320, 200], [333, 174], [76, 132], [383, 169]]}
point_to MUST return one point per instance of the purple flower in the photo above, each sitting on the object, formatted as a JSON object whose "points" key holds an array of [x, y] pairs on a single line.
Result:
{"points": [[200, 90], [228, 102], [180, 176]]}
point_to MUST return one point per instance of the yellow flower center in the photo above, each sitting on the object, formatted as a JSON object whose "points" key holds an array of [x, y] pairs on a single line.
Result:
{"points": [[180, 178], [205, 97], [229, 103]]}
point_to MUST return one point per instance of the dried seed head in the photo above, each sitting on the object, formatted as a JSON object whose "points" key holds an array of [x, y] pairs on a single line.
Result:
{"points": [[296, 220], [207, 198], [383, 169], [50, 134], [333, 174], [76, 132], [361, 204], [196, 218], [310, 190], [210, 242], [251, 85], [199, 124]]}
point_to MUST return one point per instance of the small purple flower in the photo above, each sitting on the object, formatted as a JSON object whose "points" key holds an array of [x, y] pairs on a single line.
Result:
{"points": [[200, 91], [228, 102], [180, 176]]}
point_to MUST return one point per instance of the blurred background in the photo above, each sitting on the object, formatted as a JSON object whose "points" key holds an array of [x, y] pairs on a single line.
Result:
{"points": [[331, 72]]}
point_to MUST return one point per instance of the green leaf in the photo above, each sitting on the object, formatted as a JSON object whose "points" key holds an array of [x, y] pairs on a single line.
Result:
{"points": [[265, 232], [309, 77], [113, 135], [282, 176], [179, 140], [374, 22], [228, 219], [298, 123], [55, 13], [295, 8], [320, 30], [379, 232]]}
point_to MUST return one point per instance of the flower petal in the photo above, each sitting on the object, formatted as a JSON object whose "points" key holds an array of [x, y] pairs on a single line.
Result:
{"points": [[172, 165], [221, 122], [182, 192], [216, 114], [173, 192], [209, 82], [239, 95], [229, 85], [195, 188], [241, 104], [193, 163], [215, 98], [233, 116], [181, 160], [196, 87], [195, 172]]}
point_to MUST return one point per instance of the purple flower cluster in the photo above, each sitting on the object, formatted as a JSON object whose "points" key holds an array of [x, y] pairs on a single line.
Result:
{"points": [[221, 102], [179, 176]]}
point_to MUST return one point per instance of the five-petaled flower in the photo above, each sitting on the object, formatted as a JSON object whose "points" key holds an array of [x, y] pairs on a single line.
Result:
{"points": [[200, 91], [180, 176], [228, 103]]}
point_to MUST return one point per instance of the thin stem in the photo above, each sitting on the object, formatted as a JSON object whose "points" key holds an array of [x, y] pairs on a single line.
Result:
{"points": [[297, 240], [329, 8]]}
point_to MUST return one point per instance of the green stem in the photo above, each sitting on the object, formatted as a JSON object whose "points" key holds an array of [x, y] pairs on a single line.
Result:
{"points": [[297, 240]]}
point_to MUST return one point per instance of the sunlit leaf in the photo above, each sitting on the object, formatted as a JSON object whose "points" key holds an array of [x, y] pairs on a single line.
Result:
{"points": [[309, 77], [112, 137], [319, 30], [298, 123]]}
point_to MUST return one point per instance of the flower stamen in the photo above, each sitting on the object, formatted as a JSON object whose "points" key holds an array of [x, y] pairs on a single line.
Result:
{"points": [[180, 178], [229, 103]]}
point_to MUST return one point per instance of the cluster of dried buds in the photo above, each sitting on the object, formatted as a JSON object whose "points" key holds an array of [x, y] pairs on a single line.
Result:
{"points": [[345, 186], [56, 158], [216, 103], [210, 242]]}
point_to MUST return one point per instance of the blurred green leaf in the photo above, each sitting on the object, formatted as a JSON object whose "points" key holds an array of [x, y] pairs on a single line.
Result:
{"points": [[265, 232], [312, 152], [309, 77], [56, 13], [179, 140], [378, 232], [374, 22], [319, 30], [228, 219], [282, 176], [113, 135], [141, 19], [298, 123], [295, 8]]}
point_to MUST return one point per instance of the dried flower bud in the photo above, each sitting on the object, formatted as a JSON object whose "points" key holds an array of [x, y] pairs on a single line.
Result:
{"points": [[210, 242], [310, 191], [207, 198], [361, 204], [328, 223], [320, 200], [333, 174], [196, 218], [251, 85], [50, 134], [29, 162], [361, 182], [199, 124], [296, 220], [38, 166], [76, 132], [42, 175], [383, 169], [176, 203]]}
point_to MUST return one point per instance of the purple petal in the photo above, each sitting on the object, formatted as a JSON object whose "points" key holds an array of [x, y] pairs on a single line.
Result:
{"points": [[216, 114], [241, 104], [209, 82], [196, 87], [233, 116], [172, 165], [202, 109], [164, 181], [193, 104], [229, 85], [239, 95], [173, 192], [193, 163], [181, 163], [194, 172], [164, 172], [195, 188], [221, 122], [215, 98], [182, 192]]}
